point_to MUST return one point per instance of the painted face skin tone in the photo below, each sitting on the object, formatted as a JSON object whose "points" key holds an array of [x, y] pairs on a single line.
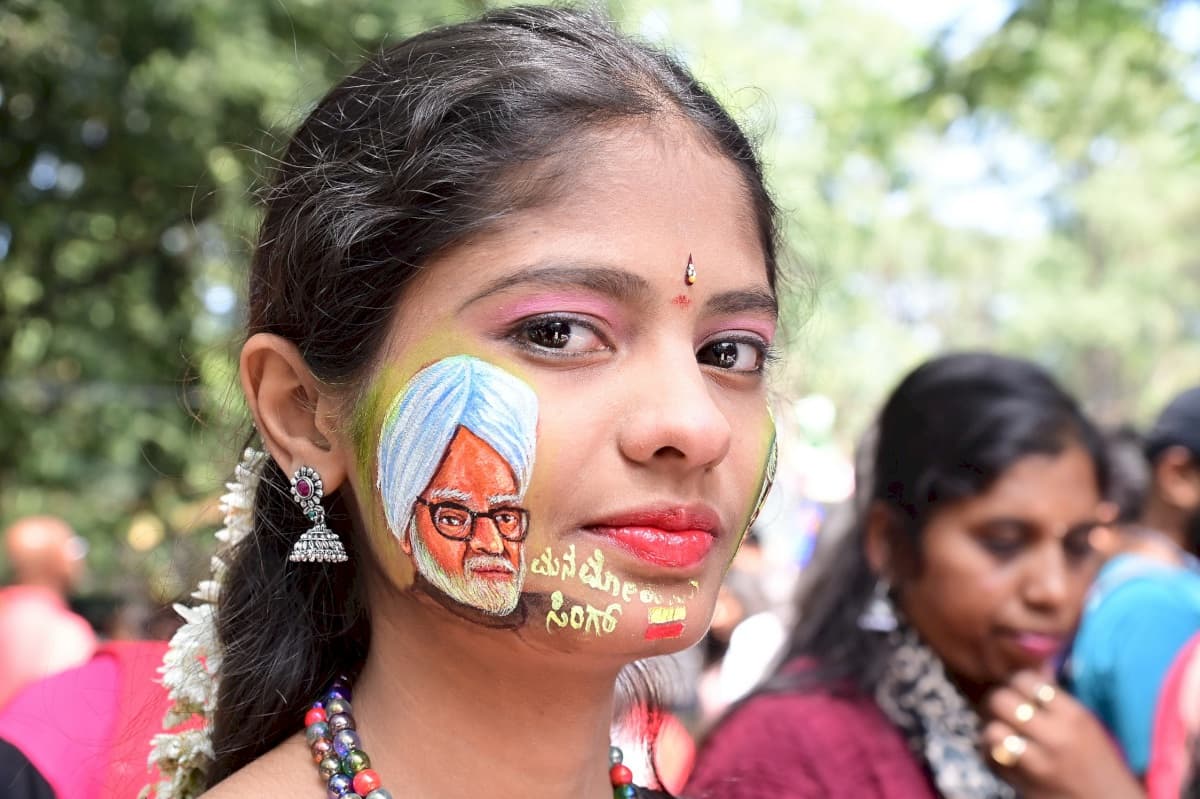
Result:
{"points": [[477, 562], [1004, 574], [653, 428]]}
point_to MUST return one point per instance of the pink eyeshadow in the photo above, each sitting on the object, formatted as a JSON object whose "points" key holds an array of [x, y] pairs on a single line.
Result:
{"points": [[557, 303]]}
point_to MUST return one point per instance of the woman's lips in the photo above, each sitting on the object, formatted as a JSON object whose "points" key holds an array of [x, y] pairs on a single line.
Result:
{"points": [[1038, 647], [671, 537]]}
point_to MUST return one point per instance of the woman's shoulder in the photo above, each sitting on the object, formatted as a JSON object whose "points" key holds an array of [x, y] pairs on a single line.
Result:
{"points": [[286, 770], [806, 743], [789, 718]]}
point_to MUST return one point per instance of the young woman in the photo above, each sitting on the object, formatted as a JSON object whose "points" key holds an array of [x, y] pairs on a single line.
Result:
{"points": [[922, 663], [509, 316]]}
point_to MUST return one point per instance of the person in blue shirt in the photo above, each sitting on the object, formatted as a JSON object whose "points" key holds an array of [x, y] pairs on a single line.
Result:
{"points": [[1145, 603]]}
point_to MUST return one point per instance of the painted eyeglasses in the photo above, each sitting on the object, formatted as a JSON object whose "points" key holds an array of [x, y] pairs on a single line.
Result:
{"points": [[457, 522]]}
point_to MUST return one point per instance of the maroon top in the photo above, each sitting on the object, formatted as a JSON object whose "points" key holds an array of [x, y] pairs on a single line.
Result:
{"points": [[807, 746]]}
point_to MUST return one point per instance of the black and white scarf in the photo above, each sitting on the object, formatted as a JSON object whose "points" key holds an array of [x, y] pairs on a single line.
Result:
{"points": [[937, 720]]}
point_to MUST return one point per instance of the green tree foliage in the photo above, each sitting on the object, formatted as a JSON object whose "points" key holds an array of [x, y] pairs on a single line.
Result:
{"points": [[129, 141], [1029, 190]]}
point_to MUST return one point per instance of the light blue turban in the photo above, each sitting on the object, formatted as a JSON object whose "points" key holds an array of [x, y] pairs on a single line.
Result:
{"points": [[460, 391]]}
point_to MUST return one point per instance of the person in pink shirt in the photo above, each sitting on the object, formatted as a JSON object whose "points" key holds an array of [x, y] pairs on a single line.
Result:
{"points": [[83, 733], [39, 634]]}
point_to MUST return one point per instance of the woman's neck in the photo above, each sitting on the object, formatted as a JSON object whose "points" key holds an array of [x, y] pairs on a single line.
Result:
{"points": [[448, 710]]}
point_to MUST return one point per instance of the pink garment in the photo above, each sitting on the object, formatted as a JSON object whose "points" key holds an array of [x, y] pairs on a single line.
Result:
{"points": [[88, 730], [807, 746], [1176, 724], [39, 636]]}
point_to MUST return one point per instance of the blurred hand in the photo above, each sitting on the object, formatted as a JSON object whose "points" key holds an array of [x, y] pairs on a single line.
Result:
{"points": [[1048, 746]]}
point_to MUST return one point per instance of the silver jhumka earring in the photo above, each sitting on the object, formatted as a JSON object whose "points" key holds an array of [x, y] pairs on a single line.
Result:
{"points": [[318, 544]]}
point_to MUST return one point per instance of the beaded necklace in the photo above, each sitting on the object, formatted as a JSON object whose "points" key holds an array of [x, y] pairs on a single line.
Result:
{"points": [[329, 728]]}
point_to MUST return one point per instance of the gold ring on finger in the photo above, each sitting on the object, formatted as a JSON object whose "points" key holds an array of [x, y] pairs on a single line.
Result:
{"points": [[1024, 713], [1008, 752], [1044, 694]]}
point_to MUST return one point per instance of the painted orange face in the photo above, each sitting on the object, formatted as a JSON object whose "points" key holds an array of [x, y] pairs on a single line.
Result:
{"points": [[471, 557]]}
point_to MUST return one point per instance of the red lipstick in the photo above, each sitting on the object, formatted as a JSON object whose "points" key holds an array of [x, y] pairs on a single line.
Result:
{"points": [[673, 537]]}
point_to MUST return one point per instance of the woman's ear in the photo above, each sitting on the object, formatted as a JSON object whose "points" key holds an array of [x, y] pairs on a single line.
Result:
{"points": [[293, 416], [1175, 473], [877, 544]]}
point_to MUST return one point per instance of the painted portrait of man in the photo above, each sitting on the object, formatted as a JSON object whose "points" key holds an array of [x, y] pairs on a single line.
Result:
{"points": [[455, 457]]}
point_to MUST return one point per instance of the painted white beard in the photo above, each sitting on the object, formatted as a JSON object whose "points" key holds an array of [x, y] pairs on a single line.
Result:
{"points": [[498, 598]]}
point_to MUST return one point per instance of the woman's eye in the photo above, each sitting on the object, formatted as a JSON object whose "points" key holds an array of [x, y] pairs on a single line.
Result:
{"points": [[1003, 546], [562, 336], [1003, 540], [733, 355], [554, 334]]}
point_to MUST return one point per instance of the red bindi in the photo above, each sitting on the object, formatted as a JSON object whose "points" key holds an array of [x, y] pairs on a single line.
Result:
{"points": [[682, 301]]}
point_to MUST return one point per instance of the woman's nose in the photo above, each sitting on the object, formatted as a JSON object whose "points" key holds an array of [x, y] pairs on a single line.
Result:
{"points": [[1047, 581], [672, 418]]}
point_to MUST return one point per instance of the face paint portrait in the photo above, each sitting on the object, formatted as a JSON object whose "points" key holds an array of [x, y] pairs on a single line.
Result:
{"points": [[455, 457]]}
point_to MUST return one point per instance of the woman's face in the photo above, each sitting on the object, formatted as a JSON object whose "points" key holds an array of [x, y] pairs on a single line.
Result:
{"points": [[652, 427], [1003, 574]]}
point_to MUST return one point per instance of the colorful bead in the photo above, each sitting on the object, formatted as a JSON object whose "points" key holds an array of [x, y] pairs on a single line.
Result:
{"points": [[345, 742], [341, 721], [624, 792], [336, 692], [379, 793], [620, 775], [337, 706], [314, 715], [339, 786], [329, 767], [366, 781], [615, 755], [316, 732], [321, 749], [356, 761]]}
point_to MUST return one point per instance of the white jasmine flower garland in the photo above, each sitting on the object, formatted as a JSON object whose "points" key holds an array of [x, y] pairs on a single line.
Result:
{"points": [[191, 668]]}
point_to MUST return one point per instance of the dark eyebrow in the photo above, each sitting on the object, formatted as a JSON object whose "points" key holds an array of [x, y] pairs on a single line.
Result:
{"points": [[746, 301], [1028, 527], [1025, 526], [615, 283]]}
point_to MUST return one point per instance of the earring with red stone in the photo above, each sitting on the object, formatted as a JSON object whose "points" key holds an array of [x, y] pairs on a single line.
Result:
{"points": [[318, 544]]}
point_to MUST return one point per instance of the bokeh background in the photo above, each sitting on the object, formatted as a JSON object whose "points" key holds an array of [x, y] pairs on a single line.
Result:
{"points": [[1021, 176]]}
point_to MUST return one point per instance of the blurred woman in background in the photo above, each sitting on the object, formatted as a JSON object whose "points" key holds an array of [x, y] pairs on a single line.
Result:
{"points": [[922, 662]]}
